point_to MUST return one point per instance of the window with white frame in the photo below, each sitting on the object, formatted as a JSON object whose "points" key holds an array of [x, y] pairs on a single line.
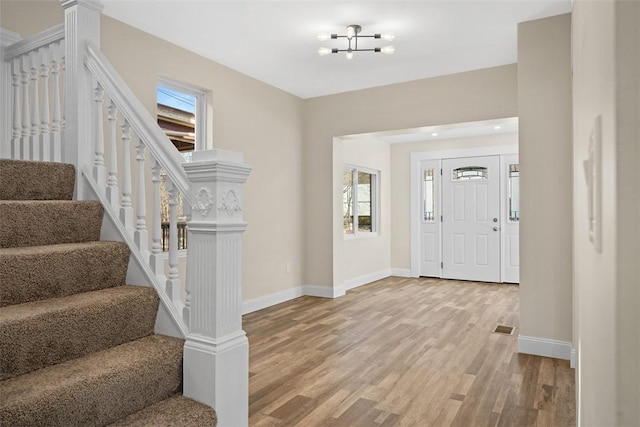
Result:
{"points": [[181, 114], [359, 200]]}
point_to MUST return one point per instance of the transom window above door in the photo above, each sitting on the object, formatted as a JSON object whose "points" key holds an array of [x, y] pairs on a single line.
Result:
{"points": [[470, 172]]}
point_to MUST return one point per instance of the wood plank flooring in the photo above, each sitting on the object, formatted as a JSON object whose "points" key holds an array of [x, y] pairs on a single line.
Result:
{"points": [[402, 352]]}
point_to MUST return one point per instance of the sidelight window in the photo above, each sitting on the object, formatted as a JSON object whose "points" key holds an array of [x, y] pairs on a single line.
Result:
{"points": [[514, 192], [428, 192]]}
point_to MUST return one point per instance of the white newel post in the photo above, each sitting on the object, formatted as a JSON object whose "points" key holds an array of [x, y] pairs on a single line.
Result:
{"points": [[82, 23], [216, 355]]}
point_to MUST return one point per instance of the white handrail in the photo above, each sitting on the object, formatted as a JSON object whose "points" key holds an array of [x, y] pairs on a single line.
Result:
{"points": [[140, 120], [43, 38]]}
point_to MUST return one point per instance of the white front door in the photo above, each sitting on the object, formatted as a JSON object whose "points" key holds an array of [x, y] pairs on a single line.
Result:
{"points": [[471, 218]]}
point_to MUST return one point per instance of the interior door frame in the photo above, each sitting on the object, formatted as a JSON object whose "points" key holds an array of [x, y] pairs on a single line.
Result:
{"points": [[416, 192]]}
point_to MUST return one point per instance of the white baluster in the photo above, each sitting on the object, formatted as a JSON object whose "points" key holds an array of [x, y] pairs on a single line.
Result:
{"points": [[140, 237], [113, 192], [35, 114], [17, 124], [173, 280], [156, 258], [126, 210], [26, 120], [45, 125], [98, 161], [56, 120], [63, 124]]}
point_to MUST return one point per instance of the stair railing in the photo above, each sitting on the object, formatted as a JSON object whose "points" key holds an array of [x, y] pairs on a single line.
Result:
{"points": [[128, 158], [35, 68], [69, 104], [133, 152]]}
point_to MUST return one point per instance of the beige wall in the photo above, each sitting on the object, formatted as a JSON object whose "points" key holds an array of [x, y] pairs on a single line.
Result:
{"points": [[401, 185], [366, 254], [259, 120], [544, 109], [249, 116], [472, 96], [607, 298], [30, 17]]}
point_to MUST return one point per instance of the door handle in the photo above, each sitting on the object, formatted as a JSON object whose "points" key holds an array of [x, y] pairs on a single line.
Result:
{"points": [[495, 228]]}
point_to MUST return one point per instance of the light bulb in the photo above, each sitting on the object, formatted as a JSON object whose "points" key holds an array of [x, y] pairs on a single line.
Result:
{"points": [[389, 50], [324, 51], [389, 36], [350, 31], [324, 36], [349, 54]]}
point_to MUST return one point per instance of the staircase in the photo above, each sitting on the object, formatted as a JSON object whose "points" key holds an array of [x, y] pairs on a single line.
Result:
{"points": [[77, 345]]}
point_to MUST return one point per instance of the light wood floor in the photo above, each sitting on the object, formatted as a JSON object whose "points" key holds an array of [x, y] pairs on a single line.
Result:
{"points": [[402, 352]]}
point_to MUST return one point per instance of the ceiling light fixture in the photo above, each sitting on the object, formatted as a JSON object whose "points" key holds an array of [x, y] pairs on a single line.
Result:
{"points": [[352, 36]]}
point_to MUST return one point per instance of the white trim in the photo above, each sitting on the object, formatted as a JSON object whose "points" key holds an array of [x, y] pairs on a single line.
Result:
{"points": [[416, 158], [323, 291], [266, 301], [574, 358], [401, 272], [544, 347], [7, 37], [367, 278]]}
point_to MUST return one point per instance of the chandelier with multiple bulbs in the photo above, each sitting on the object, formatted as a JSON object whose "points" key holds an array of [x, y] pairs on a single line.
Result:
{"points": [[352, 36]]}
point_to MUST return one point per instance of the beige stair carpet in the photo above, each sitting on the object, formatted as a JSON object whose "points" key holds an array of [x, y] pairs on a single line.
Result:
{"points": [[77, 345]]}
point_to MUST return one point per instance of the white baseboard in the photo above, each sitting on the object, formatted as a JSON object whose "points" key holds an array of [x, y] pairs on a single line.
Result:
{"points": [[401, 272], [266, 301], [323, 291], [367, 278], [259, 303], [544, 347], [574, 358]]}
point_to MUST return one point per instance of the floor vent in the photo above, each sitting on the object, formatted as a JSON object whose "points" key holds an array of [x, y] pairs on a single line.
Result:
{"points": [[501, 329]]}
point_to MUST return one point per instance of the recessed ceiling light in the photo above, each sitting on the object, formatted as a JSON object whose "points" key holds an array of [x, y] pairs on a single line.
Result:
{"points": [[434, 134], [497, 127]]}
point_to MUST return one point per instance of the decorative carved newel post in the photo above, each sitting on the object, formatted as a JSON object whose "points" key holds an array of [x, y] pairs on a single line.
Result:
{"points": [[216, 357]]}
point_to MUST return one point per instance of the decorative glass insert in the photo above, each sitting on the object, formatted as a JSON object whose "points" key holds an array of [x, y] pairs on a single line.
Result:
{"points": [[365, 189], [347, 201], [428, 186], [514, 192], [469, 173]]}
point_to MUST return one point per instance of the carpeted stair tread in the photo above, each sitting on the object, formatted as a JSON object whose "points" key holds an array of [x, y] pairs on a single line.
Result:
{"points": [[39, 272], [96, 389], [42, 333], [49, 222], [176, 411], [28, 180]]}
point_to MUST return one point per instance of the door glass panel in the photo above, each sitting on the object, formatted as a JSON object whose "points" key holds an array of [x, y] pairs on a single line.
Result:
{"points": [[514, 193], [469, 173], [364, 201], [347, 201], [427, 194]]}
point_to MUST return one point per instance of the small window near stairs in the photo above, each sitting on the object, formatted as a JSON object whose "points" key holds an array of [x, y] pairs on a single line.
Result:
{"points": [[181, 113]]}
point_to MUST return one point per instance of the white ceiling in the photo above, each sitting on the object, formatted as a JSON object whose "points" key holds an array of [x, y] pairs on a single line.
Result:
{"points": [[276, 41], [448, 131]]}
